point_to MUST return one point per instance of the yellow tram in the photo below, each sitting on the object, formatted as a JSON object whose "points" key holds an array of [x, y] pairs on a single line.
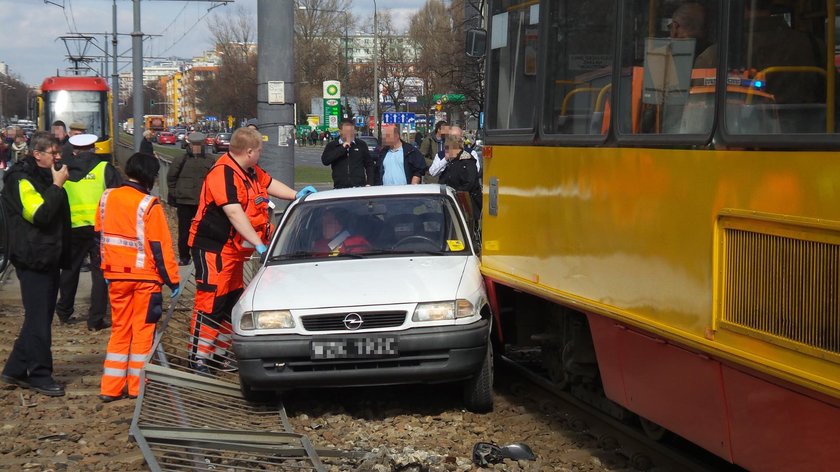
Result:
{"points": [[661, 214]]}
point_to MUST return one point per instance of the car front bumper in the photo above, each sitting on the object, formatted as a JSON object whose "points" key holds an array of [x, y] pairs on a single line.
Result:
{"points": [[426, 355]]}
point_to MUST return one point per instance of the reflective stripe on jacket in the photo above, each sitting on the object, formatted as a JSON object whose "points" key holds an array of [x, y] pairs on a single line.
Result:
{"points": [[135, 239], [84, 196]]}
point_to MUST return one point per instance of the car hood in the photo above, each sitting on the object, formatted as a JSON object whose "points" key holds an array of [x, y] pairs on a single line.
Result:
{"points": [[339, 283]]}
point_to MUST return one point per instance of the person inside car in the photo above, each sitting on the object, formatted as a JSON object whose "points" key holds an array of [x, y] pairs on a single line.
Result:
{"points": [[337, 237]]}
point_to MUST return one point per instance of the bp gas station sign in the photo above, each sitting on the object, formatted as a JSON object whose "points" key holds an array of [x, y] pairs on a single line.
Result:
{"points": [[332, 103]]}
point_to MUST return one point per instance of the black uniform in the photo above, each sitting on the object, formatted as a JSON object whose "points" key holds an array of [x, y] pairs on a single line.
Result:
{"points": [[40, 243], [352, 166], [85, 243]]}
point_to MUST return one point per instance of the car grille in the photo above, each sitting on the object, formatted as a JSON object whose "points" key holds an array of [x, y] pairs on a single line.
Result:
{"points": [[335, 321]]}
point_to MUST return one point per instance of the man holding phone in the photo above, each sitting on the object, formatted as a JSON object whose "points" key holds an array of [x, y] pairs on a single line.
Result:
{"points": [[350, 159], [39, 224]]}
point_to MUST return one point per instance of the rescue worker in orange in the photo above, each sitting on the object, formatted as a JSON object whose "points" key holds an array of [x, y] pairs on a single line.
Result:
{"points": [[233, 221], [137, 259]]}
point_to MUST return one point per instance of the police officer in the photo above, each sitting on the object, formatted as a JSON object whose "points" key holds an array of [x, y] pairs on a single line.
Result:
{"points": [[233, 221], [39, 225], [89, 177], [184, 179], [137, 259], [76, 128]]}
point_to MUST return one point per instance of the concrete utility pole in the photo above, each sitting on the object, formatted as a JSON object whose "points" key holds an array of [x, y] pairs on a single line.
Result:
{"points": [[275, 71], [376, 126], [115, 94], [137, 77]]}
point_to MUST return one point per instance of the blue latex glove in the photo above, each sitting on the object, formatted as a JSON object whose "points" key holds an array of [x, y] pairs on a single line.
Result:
{"points": [[107, 282], [175, 292], [305, 191], [261, 249]]}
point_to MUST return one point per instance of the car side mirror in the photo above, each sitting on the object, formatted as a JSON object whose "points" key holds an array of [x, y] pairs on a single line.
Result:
{"points": [[476, 44]]}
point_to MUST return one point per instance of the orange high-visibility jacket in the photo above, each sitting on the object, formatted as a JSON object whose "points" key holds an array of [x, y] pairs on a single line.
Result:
{"points": [[225, 184], [135, 239]]}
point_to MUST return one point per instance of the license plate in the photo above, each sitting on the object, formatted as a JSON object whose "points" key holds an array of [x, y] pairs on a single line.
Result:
{"points": [[354, 348]]}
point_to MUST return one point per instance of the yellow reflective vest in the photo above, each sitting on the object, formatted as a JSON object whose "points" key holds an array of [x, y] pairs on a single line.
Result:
{"points": [[84, 196]]}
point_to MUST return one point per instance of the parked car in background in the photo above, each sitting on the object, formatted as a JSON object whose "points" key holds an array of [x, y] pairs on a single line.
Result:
{"points": [[368, 286], [209, 139], [165, 137], [221, 143], [372, 143]]}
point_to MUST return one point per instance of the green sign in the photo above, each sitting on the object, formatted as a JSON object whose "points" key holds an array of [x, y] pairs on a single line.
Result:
{"points": [[332, 113], [448, 98]]}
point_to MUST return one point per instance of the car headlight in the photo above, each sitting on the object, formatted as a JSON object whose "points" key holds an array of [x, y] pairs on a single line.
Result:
{"points": [[276, 319], [434, 311], [439, 311]]}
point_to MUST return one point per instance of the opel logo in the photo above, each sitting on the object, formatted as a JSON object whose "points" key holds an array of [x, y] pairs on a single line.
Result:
{"points": [[353, 321]]}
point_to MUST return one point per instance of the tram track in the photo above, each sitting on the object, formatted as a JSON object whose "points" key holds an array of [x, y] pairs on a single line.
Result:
{"points": [[611, 435]]}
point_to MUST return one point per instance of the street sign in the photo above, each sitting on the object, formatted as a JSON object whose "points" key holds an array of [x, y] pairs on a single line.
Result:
{"points": [[276, 92], [392, 118], [360, 121]]}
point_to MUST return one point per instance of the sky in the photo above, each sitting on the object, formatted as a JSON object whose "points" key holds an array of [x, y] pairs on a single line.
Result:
{"points": [[30, 29]]}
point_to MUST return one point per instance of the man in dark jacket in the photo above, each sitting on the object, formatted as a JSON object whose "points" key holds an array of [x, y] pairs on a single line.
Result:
{"points": [[38, 215], [432, 145], [184, 179], [89, 177], [350, 159], [399, 163]]}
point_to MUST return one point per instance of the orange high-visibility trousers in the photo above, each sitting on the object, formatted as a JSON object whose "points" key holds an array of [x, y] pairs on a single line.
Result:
{"points": [[135, 308], [218, 278]]}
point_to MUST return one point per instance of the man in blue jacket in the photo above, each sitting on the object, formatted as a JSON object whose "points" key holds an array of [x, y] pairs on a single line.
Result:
{"points": [[399, 163]]}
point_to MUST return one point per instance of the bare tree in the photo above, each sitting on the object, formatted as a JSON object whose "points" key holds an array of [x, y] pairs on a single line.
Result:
{"points": [[432, 32], [15, 97], [467, 73], [397, 61], [234, 90], [439, 32], [320, 26]]}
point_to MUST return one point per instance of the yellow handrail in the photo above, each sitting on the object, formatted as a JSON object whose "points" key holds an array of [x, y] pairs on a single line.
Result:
{"points": [[572, 93], [762, 75], [599, 102]]}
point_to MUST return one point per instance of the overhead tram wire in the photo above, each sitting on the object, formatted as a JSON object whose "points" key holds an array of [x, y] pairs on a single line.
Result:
{"points": [[190, 29], [72, 16]]}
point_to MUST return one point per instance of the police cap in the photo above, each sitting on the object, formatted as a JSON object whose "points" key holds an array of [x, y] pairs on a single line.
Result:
{"points": [[83, 140]]}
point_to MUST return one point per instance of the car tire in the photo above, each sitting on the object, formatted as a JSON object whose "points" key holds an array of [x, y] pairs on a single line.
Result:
{"points": [[256, 396], [478, 390]]}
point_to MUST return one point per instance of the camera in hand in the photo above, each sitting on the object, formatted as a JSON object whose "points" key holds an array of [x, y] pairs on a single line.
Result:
{"points": [[58, 166]]}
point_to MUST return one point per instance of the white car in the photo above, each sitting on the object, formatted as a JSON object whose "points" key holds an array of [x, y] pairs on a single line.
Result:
{"points": [[368, 286]]}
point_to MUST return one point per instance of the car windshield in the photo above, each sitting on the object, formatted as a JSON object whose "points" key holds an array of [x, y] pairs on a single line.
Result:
{"points": [[370, 227], [224, 136]]}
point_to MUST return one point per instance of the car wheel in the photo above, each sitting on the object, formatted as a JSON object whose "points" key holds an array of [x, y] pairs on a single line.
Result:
{"points": [[256, 396], [478, 391]]}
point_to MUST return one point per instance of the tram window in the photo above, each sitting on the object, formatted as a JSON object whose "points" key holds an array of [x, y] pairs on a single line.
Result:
{"points": [[89, 108], [514, 52], [778, 57], [581, 37], [663, 87]]}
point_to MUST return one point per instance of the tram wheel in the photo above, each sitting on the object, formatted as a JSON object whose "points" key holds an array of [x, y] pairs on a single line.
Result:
{"points": [[653, 430]]}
